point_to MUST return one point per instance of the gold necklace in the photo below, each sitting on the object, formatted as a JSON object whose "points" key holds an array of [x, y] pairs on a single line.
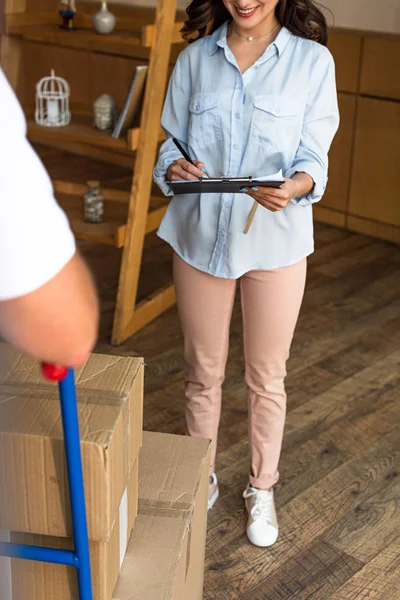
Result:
{"points": [[250, 38]]}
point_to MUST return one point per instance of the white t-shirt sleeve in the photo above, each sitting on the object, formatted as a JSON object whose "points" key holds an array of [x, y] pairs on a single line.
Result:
{"points": [[35, 239]]}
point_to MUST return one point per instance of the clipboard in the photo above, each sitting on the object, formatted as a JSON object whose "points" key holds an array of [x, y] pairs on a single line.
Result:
{"points": [[220, 185]]}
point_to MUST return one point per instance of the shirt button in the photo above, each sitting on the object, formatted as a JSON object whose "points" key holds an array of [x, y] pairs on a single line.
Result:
{"points": [[226, 204], [237, 115], [235, 146]]}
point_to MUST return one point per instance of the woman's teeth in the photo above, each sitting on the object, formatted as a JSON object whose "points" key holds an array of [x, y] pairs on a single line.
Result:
{"points": [[246, 13]]}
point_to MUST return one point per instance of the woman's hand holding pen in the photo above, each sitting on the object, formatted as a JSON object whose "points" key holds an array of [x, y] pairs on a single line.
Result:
{"points": [[181, 169]]}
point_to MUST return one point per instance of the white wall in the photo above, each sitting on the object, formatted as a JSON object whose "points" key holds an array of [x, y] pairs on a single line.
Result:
{"points": [[375, 15]]}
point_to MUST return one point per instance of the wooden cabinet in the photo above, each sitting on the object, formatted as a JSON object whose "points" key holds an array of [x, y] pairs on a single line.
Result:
{"points": [[337, 192], [374, 194], [365, 154]]}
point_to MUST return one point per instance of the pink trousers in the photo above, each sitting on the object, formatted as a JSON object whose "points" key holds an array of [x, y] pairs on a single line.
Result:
{"points": [[271, 303]]}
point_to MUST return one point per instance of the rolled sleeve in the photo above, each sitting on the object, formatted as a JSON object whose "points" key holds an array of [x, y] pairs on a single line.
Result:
{"points": [[174, 121], [168, 154], [320, 125]]}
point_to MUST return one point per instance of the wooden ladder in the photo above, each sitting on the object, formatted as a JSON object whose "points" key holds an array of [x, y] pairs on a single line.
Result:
{"points": [[130, 215]]}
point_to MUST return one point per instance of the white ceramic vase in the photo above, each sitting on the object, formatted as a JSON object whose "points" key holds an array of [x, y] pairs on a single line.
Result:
{"points": [[104, 20]]}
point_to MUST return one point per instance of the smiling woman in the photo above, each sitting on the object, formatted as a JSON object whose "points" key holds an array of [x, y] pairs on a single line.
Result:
{"points": [[300, 17], [254, 94]]}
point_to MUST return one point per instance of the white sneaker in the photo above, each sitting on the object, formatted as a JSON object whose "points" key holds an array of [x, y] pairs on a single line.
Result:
{"points": [[213, 491], [262, 526]]}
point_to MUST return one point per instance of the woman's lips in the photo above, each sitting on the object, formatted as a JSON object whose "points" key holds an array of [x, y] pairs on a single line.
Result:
{"points": [[245, 14]]}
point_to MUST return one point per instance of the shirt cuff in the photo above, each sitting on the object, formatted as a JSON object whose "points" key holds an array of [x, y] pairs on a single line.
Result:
{"points": [[320, 181], [160, 172], [159, 179]]}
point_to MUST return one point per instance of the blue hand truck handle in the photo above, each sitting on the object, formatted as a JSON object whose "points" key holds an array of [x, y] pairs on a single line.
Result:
{"points": [[79, 557]]}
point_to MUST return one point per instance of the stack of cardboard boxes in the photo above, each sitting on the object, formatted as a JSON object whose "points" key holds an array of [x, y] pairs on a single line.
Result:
{"points": [[164, 556]]}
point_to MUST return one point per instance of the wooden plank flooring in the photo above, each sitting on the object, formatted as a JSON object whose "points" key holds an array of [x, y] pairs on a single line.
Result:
{"points": [[339, 495]]}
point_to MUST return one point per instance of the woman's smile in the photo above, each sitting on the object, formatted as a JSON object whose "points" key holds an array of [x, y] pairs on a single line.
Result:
{"points": [[246, 13]]}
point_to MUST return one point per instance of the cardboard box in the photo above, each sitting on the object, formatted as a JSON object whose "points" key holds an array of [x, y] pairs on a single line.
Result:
{"points": [[40, 581], [34, 494], [165, 557]]}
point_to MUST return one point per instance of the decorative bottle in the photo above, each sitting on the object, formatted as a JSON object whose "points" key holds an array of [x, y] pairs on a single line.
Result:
{"points": [[104, 20], [93, 203]]}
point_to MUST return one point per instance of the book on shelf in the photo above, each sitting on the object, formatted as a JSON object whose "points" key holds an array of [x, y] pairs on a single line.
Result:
{"points": [[129, 116]]}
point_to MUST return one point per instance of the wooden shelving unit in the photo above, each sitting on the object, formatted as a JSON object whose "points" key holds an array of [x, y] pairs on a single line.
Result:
{"points": [[141, 35]]}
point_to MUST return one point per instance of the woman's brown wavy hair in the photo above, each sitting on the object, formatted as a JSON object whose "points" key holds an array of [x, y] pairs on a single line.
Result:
{"points": [[301, 17]]}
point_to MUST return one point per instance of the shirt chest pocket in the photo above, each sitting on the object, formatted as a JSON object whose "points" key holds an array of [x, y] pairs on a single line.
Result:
{"points": [[204, 121], [277, 122]]}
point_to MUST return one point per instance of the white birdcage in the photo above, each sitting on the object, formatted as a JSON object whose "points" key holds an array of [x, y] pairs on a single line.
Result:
{"points": [[52, 102]]}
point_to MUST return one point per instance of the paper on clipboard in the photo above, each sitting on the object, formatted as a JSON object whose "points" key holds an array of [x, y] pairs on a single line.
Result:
{"points": [[276, 177]]}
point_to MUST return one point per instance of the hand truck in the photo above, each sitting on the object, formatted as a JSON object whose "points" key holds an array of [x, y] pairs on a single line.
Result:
{"points": [[78, 558]]}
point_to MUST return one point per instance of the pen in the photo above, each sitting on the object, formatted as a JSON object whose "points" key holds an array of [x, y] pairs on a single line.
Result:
{"points": [[183, 152]]}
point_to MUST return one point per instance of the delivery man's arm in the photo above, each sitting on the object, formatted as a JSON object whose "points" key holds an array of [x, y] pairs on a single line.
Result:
{"points": [[58, 321], [48, 304]]}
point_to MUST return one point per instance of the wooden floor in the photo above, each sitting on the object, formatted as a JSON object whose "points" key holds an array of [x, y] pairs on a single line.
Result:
{"points": [[338, 498]]}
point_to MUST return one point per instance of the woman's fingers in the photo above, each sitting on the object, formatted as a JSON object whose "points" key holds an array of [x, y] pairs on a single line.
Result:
{"points": [[199, 165], [178, 173], [181, 169], [194, 170], [275, 192], [268, 201]]}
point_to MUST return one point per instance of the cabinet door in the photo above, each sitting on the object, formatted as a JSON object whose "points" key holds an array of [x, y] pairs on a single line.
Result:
{"points": [[337, 192], [374, 190], [346, 50], [380, 74]]}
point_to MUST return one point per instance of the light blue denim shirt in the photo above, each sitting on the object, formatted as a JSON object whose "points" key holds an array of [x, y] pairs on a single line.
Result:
{"points": [[282, 113]]}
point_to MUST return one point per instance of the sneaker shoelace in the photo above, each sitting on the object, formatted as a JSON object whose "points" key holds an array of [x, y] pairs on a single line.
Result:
{"points": [[262, 506]]}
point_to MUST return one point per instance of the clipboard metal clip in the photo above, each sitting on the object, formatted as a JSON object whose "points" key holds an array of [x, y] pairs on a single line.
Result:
{"points": [[235, 179]]}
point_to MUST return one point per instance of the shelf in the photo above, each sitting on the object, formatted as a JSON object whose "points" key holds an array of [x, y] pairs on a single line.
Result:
{"points": [[122, 43], [112, 231], [81, 39], [81, 131], [111, 234]]}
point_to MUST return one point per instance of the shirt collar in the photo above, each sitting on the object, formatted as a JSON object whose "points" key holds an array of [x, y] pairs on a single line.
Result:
{"points": [[218, 39]]}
